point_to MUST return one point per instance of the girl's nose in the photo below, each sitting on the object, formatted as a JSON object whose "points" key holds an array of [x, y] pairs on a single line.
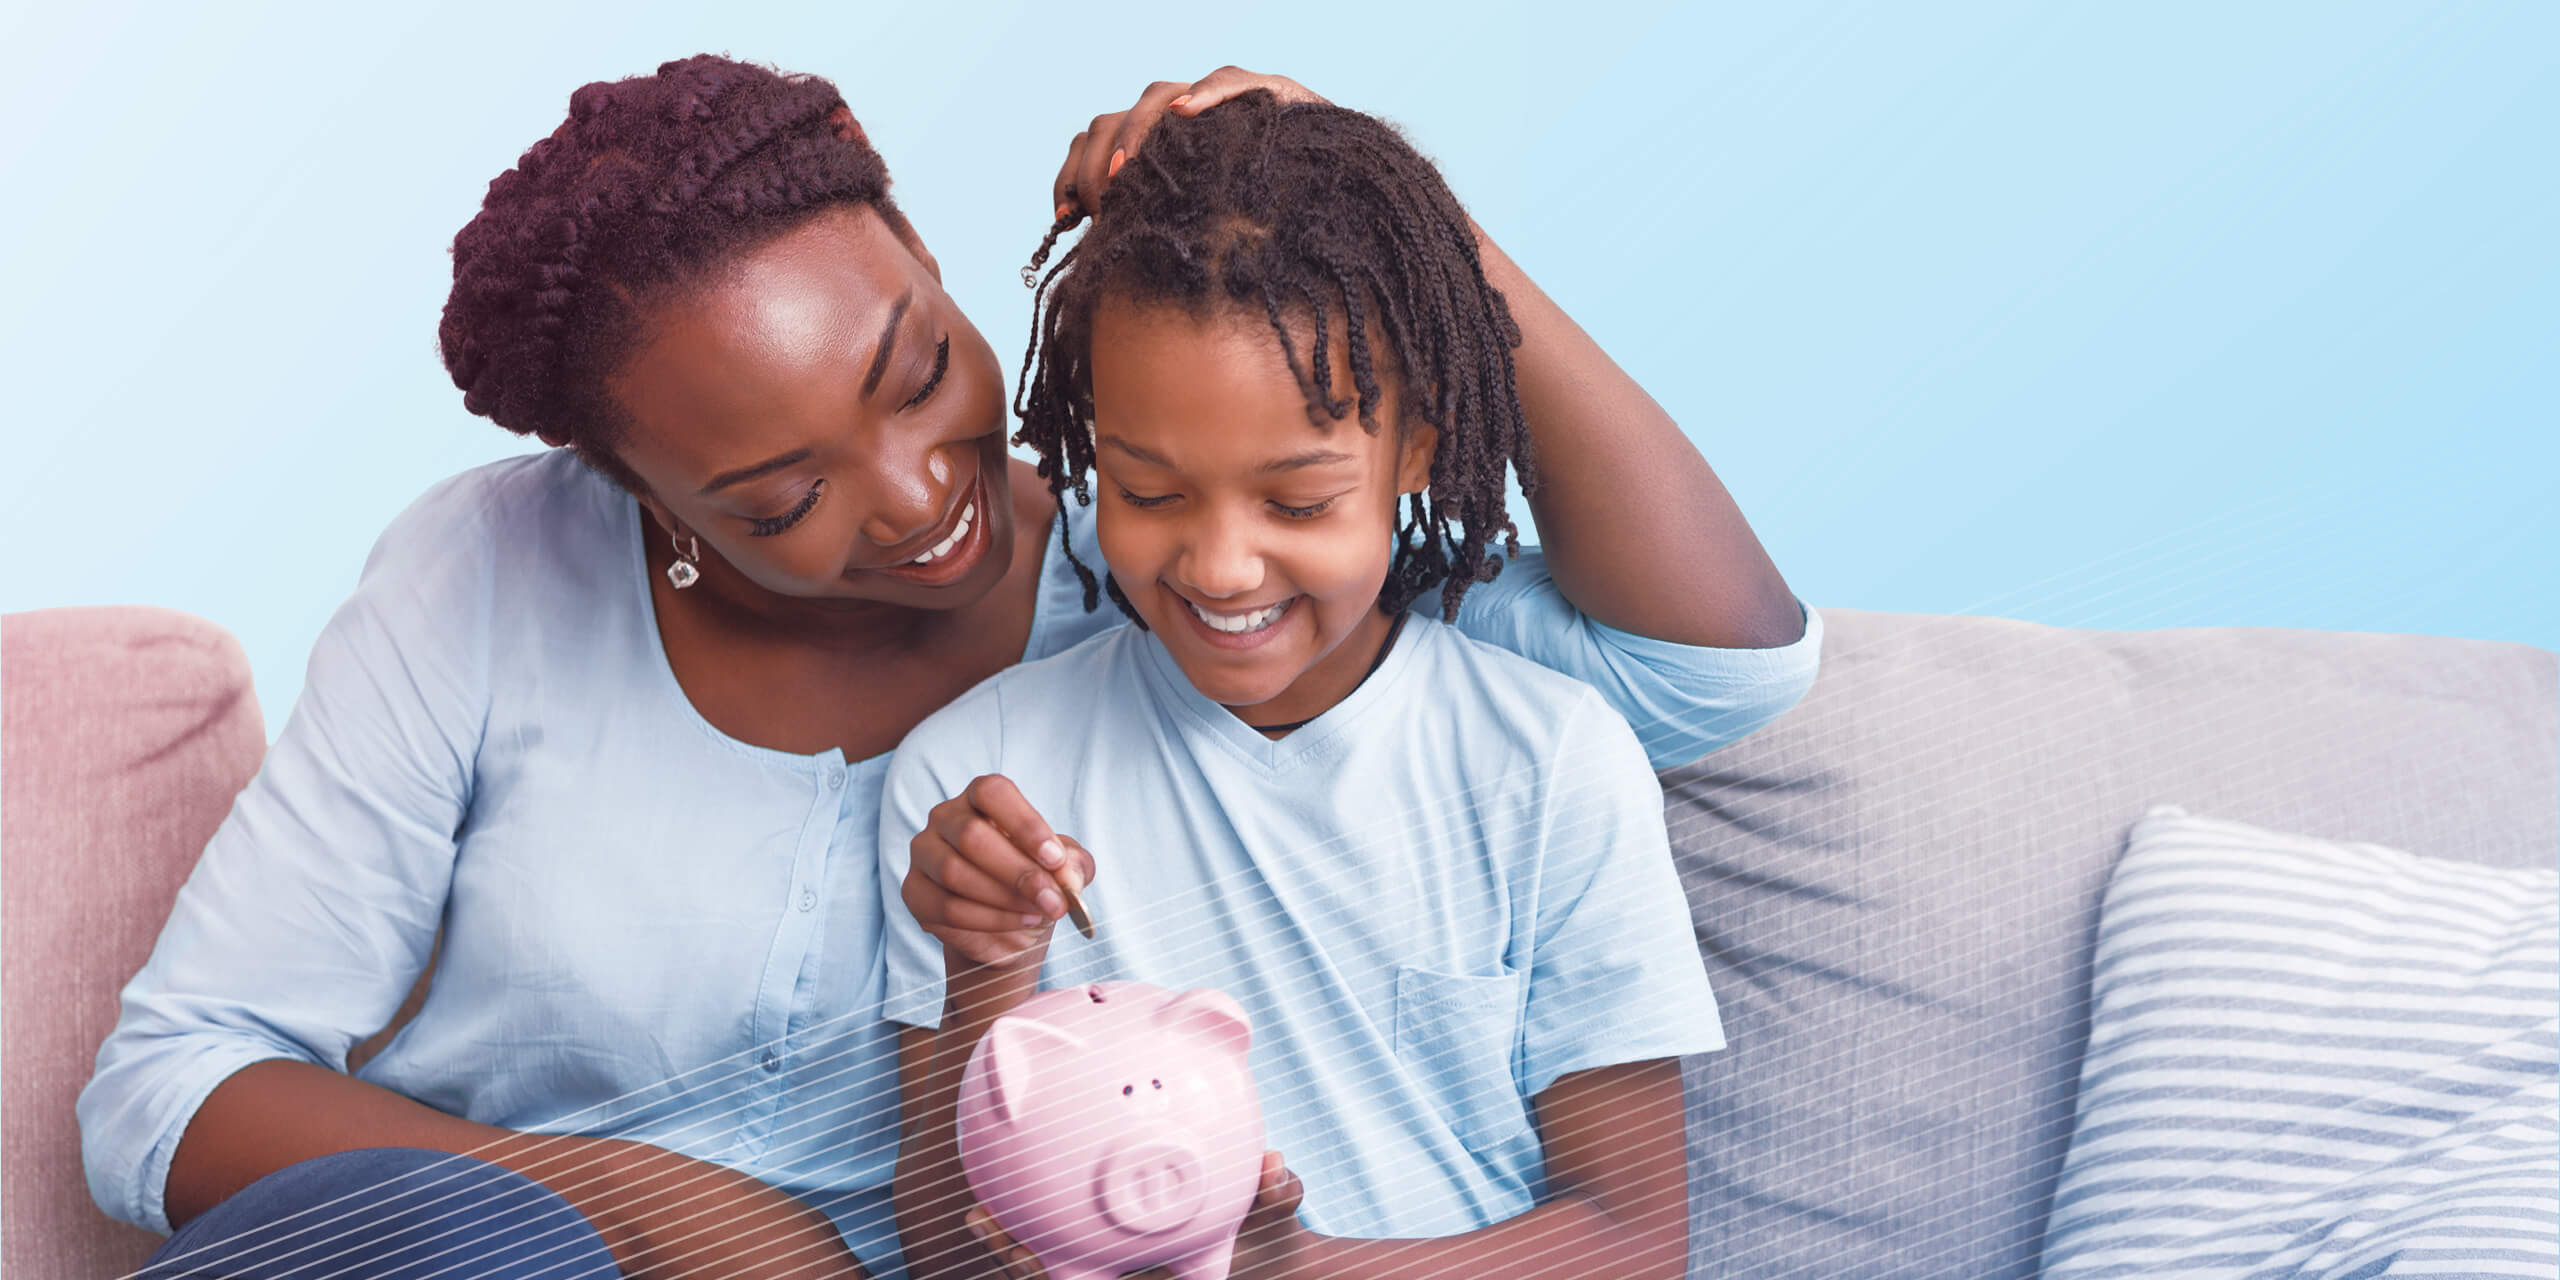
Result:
{"points": [[1218, 564]]}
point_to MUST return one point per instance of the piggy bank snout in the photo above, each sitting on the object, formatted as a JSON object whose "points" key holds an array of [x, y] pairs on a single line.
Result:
{"points": [[1147, 1187]]}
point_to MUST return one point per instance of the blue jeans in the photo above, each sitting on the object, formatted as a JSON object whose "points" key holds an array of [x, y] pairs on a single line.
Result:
{"points": [[387, 1213]]}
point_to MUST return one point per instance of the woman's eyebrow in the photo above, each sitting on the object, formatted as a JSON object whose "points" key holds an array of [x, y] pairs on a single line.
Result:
{"points": [[769, 465], [888, 343]]}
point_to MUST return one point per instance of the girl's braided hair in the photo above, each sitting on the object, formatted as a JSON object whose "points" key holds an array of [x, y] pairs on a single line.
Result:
{"points": [[1313, 214]]}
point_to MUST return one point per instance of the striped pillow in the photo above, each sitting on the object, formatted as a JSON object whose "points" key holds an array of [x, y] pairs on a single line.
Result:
{"points": [[2314, 1058]]}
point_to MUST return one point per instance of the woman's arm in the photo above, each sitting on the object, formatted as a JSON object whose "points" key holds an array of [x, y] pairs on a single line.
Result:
{"points": [[1635, 526], [662, 1215], [1637, 530]]}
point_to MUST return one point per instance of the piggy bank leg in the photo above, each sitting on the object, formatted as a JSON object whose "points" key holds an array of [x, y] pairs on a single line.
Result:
{"points": [[1211, 1263]]}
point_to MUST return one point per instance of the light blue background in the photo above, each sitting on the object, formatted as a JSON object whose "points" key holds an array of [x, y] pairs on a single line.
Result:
{"points": [[2153, 316]]}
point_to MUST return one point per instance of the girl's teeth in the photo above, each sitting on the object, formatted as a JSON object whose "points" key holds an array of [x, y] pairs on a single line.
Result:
{"points": [[1238, 624], [958, 532]]}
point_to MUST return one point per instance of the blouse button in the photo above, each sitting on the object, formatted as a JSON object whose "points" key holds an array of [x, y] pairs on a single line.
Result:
{"points": [[835, 778], [808, 899], [772, 1061]]}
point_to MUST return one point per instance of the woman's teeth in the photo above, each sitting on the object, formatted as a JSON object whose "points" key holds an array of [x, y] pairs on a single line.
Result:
{"points": [[1239, 623], [958, 531]]}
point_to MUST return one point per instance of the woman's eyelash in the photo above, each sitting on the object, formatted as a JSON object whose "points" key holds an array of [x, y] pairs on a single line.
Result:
{"points": [[768, 526], [1308, 512], [941, 361], [1144, 503]]}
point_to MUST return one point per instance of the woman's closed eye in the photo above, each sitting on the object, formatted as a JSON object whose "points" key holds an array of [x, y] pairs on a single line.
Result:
{"points": [[941, 362], [768, 526], [1144, 503]]}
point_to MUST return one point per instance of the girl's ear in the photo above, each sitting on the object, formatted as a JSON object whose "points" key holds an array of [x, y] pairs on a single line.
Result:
{"points": [[1413, 465]]}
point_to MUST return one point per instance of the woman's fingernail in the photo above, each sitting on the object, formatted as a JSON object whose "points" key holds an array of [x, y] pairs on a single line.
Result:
{"points": [[1064, 210], [1181, 100], [1033, 922], [1052, 854], [1118, 158], [1052, 903]]}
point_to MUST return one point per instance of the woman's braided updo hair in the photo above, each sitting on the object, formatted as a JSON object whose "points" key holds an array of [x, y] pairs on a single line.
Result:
{"points": [[652, 182], [1311, 213]]}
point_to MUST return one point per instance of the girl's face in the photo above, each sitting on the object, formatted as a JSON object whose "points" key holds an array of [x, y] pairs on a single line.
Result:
{"points": [[821, 415], [1252, 541]]}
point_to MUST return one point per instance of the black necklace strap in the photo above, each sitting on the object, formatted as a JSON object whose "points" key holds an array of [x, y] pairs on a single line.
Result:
{"points": [[1374, 663]]}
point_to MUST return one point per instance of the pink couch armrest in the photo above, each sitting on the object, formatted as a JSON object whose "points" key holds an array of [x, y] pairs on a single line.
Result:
{"points": [[124, 735]]}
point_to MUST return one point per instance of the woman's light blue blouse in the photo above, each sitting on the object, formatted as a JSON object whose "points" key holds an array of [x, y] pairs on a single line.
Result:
{"points": [[650, 930]]}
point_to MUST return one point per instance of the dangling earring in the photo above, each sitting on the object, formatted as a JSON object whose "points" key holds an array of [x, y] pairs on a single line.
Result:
{"points": [[683, 573]]}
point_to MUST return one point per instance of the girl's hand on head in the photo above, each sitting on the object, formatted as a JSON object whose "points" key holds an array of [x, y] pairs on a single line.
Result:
{"points": [[983, 874], [1096, 154]]}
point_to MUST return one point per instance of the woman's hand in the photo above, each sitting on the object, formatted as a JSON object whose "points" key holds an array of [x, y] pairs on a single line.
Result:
{"points": [[1096, 154], [984, 873], [1269, 1245]]}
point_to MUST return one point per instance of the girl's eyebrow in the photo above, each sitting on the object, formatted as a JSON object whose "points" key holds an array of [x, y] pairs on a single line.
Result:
{"points": [[1310, 458], [1147, 456], [1293, 462]]}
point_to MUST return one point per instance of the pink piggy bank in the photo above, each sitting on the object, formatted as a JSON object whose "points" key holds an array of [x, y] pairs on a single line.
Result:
{"points": [[1115, 1126]]}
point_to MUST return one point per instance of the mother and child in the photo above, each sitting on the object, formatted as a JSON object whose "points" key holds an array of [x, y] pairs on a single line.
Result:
{"points": [[727, 759]]}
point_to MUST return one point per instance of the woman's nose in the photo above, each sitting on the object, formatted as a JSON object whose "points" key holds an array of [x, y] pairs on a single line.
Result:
{"points": [[907, 501]]}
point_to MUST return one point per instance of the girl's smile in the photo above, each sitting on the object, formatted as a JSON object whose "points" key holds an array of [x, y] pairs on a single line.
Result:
{"points": [[1252, 540]]}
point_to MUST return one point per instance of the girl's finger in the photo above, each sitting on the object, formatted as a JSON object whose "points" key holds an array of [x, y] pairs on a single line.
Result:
{"points": [[1000, 802], [930, 905], [998, 875], [933, 859]]}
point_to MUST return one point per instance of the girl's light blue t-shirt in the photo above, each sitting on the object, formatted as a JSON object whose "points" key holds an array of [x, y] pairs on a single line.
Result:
{"points": [[1432, 901], [650, 930]]}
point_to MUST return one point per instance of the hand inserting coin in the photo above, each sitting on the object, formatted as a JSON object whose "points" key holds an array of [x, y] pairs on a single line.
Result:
{"points": [[984, 863]]}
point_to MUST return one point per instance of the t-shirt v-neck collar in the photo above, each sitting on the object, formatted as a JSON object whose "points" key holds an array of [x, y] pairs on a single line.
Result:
{"points": [[1181, 701]]}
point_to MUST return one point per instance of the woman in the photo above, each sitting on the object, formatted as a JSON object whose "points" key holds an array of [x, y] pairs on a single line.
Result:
{"points": [[612, 721]]}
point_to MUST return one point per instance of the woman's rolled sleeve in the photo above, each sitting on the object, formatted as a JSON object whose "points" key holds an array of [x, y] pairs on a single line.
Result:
{"points": [[1682, 700]]}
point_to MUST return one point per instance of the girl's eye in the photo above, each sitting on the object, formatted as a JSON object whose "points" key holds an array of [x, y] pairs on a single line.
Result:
{"points": [[1307, 512], [768, 526], [1144, 503], [941, 361]]}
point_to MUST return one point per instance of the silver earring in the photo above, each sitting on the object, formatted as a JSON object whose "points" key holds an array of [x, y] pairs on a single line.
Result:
{"points": [[683, 573]]}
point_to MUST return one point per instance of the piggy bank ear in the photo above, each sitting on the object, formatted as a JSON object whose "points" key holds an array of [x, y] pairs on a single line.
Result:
{"points": [[1211, 1013], [1020, 1051]]}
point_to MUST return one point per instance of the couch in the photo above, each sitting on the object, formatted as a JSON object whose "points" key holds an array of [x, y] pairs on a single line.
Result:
{"points": [[1894, 887]]}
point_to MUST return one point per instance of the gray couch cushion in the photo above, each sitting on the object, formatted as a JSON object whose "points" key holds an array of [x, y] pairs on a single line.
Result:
{"points": [[1895, 888]]}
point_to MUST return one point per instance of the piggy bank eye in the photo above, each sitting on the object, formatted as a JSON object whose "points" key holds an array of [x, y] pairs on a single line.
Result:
{"points": [[1127, 1089], [1157, 1083]]}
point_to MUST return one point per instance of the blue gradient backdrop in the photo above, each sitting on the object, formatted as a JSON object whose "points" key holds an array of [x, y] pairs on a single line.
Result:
{"points": [[2163, 315]]}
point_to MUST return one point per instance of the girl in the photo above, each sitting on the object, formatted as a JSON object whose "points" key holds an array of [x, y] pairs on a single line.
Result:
{"points": [[1434, 874], [602, 731]]}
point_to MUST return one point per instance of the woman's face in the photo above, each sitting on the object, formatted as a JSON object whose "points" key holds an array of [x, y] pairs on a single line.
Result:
{"points": [[826, 421], [1252, 541]]}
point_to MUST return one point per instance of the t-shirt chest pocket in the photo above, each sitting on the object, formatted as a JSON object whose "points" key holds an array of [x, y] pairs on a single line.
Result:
{"points": [[1456, 1034]]}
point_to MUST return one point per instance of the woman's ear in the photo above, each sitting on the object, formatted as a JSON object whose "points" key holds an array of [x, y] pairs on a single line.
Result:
{"points": [[1413, 464]]}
